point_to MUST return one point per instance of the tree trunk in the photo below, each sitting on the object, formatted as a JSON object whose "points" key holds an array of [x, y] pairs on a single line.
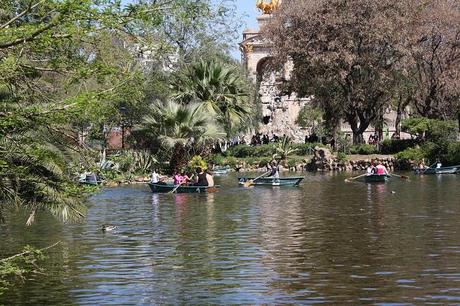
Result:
{"points": [[334, 137], [358, 137], [398, 122]]}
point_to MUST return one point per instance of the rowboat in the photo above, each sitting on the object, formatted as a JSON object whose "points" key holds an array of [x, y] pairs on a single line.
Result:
{"points": [[441, 170], [221, 171], [89, 178], [163, 188], [376, 178], [272, 181]]}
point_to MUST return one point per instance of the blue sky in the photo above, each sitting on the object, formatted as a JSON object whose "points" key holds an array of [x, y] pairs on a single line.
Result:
{"points": [[246, 8]]}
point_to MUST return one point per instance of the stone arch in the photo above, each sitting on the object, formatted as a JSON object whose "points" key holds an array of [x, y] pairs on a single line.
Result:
{"points": [[262, 66]]}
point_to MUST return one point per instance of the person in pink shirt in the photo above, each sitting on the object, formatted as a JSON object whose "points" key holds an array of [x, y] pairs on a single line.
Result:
{"points": [[381, 170], [177, 178]]}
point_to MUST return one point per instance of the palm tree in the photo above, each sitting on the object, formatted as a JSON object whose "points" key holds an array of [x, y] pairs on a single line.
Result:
{"points": [[219, 88], [181, 129], [35, 175]]}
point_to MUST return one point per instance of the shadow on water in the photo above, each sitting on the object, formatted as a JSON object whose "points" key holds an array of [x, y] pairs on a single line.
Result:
{"points": [[323, 242]]}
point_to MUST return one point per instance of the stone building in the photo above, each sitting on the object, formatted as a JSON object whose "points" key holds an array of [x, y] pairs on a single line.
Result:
{"points": [[280, 111]]}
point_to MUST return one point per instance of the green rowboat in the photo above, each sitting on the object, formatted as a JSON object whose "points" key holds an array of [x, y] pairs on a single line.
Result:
{"points": [[376, 178], [442, 170], [272, 181], [164, 188]]}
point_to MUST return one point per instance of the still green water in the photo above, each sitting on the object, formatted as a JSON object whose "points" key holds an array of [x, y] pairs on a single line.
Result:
{"points": [[323, 242]]}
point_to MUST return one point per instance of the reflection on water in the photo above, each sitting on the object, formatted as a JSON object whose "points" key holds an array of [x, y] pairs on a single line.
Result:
{"points": [[324, 242]]}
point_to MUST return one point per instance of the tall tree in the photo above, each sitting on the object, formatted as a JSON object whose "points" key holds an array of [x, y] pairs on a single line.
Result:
{"points": [[344, 53], [434, 62]]}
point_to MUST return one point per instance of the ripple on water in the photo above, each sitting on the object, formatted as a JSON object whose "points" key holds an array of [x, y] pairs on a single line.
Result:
{"points": [[325, 242]]}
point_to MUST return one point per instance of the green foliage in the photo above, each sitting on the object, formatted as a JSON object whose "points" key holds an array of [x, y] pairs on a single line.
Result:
{"points": [[197, 161], [411, 154], [291, 163], [437, 131], [71, 68], [284, 148], [416, 126], [254, 151], [240, 151], [216, 159], [453, 153], [305, 148], [232, 162], [393, 146], [220, 89], [181, 130], [174, 123], [363, 149], [342, 157], [264, 162], [17, 267], [310, 117], [138, 162]]}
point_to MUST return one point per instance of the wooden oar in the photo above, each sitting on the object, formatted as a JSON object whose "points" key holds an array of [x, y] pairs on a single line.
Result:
{"points": [[347, 180], [175, 188], [430, 167], [400, 176], [251, 182]]}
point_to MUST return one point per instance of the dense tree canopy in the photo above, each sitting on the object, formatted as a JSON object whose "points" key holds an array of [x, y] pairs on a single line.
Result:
{"points": [[351, 55]]}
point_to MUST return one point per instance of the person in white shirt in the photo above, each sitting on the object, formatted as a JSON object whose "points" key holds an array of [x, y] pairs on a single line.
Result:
{"points": [[370, 169], [155, 178]]}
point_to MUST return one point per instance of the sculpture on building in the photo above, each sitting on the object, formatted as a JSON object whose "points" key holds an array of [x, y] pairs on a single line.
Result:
{"points": [[268, 8]]}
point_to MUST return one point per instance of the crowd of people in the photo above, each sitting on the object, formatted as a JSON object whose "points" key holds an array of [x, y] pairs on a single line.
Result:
{"points": [[256, 139], [201, 177]]}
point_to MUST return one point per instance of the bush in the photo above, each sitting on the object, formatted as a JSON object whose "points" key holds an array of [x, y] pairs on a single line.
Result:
{"points": [[239, 151], [243, 151], [453, 153], [217, 159], [197, 162], [291, 163], [305, 148], [231, 162], [437, 131], [393, 146], [411, 154], [263, 162], [363, 149], [342, 157]]}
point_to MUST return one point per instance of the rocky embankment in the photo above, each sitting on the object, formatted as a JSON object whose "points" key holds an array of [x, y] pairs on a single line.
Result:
{"points": [[324, 160]]}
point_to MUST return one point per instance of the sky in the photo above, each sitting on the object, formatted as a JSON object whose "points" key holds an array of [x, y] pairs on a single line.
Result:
{"points": [[246, 8]]}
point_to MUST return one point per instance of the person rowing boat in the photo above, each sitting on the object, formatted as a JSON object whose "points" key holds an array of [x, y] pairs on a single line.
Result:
{"points": [[274, 169]]}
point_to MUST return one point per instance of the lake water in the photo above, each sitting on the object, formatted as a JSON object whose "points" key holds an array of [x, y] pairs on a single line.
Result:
{"points": [[326, 241]]}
